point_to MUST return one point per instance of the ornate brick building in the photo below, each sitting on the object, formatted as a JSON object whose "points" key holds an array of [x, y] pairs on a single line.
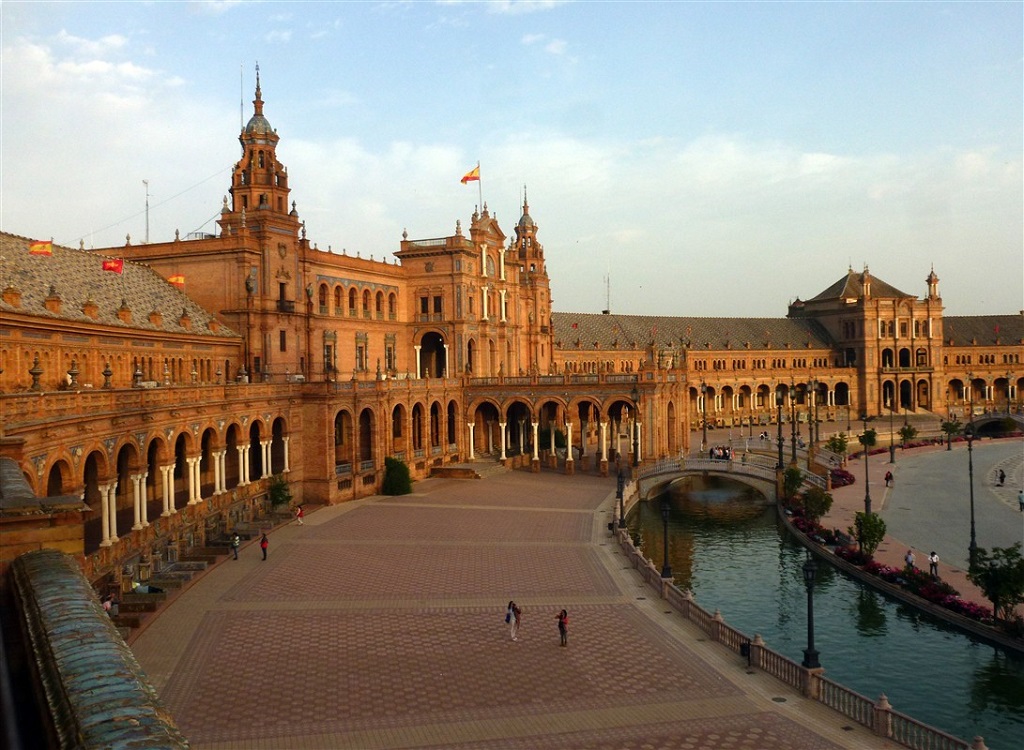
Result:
{"points": [[168, 407]]}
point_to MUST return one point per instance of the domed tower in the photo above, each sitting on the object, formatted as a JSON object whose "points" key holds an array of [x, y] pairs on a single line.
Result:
{"points": [[535, 289], [259, 182], [933, 284]]}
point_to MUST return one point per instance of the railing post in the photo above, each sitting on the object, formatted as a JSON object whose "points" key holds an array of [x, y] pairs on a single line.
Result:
{"points": [[812, 682], [756, 650], [883, 717], [716, 626], [978, 744]]}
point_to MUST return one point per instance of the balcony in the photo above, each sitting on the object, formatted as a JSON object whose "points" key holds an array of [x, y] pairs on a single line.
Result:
{"points": [[286, 305]]}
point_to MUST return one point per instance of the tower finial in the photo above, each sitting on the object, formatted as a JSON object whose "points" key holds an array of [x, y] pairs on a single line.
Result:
{"points": [[257, 103]]}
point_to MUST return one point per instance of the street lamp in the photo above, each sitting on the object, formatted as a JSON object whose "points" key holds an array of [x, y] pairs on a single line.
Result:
{"points": [[892, 437], [666, 569], [810, 569], [778, 403], [704, 415], [620, 485], [792, 406], [1008, 376], [864, 441], [972, 549], [815, 434]]}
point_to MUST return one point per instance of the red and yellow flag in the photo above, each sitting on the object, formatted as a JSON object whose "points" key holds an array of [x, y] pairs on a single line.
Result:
{"points": [[473, 174], [178, 280], [41, 247], [115, 265]]}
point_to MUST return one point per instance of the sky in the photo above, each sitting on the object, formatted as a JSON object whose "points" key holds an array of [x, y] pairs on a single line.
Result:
{"points": [[697, 159]]}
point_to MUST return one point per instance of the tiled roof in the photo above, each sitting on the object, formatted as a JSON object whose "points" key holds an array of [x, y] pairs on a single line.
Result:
{"points": [[77, 276], [631, 332], [962, 330], [850, 287]]}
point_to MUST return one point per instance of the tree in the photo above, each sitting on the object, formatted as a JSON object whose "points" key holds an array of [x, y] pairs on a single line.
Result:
{"points": [[278, 491], [950, 428], [837, 444], [868, 438], [817, 503], [907, 433], [397, 480], [1000, 576], [791, 481], [869, 530]]}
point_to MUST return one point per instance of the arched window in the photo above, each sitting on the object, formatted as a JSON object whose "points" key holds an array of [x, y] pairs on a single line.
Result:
{"points": [[366, 300], [337, 300], [352, 297]]}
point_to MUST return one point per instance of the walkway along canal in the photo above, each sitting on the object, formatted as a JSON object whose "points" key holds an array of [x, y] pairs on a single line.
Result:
{"points": [[727, 547]]}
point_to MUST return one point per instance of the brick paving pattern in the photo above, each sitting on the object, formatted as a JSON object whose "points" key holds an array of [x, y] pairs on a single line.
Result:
{"points": [[380, 624]]}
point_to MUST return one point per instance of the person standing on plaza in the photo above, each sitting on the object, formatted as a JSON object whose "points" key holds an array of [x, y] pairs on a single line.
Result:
{"points": [[1002, 477], [909, 558], [264, 543], [299, 514], [1020, 500], [236, 542], [516, 620], [933, 565], [563, 627]]}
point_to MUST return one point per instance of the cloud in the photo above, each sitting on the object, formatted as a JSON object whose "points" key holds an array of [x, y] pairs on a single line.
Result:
{"points": [[521, 7], [213, 7], [279, 36]]}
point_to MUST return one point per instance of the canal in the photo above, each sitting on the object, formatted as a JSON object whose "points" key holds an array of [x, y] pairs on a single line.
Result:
{"points": [[731, 551]]}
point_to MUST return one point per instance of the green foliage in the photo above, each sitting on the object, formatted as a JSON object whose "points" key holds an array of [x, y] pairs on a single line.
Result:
{"points": [[1000, 576], [868, 438], [278, 491], [838, 443], [817, 503], [869, 530], [544, 438], [792, 479], [397, 480], [950, 428], [907, 433]]}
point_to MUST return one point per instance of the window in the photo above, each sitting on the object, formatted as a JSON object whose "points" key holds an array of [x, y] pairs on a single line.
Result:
{"points": [[424, 305], [437, 305], [352, 301], [283, 340]]}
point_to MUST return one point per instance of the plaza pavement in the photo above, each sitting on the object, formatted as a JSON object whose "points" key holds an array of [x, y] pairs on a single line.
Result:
{"points": [[380, 624], [928, 506]]}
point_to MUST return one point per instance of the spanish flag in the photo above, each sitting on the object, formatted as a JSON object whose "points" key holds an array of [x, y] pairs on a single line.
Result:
{"points": [[178, 280], [473, 174], [116, 265], [41, 247]]}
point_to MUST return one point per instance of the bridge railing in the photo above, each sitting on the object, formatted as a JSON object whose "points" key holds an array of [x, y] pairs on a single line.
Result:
{"points": [[749, 465]]}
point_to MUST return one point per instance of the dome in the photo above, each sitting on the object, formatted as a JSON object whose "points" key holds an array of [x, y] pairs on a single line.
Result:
{"points": [[258, 125]]}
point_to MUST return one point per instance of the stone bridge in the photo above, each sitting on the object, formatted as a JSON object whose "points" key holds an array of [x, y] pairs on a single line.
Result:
{"points": [[753, 469]]}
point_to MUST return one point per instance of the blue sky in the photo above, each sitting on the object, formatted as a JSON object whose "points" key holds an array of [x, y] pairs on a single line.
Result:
{"points": [[714, 159]]}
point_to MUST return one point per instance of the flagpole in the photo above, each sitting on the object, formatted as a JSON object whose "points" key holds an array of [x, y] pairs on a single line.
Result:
{"points": [[480, 185]]}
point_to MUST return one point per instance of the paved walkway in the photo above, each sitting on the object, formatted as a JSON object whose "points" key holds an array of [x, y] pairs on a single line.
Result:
{"points": [[928, 506], [380, 624]]}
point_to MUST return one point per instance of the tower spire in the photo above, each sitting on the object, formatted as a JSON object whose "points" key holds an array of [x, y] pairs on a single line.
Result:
{"points": [[257, 103]]}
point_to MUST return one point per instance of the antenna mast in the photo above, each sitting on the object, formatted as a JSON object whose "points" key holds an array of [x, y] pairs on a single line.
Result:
{"points": [[607, 293], [146, 183]]}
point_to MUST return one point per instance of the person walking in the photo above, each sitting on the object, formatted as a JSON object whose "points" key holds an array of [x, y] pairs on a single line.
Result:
{"points": [[236, 542], [909, 558], [888, 479], [515, 619], [299, 514], [1002, 477], [1020, 500], [933, 565], [563, 627], [264, 543]]}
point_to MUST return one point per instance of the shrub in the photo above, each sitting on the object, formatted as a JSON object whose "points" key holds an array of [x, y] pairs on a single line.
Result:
{"points": [[278, 491], [397, 480]]}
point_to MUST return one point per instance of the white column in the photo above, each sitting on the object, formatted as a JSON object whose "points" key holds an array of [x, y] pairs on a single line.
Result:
{"points": [[490, 437], [639, 442], [551, 430], [243, 468], [536, 447], [191, 462], [167, 497], [145, 499], [104, 515], [417, 348], [265, 444], [471, 427], [483, 303], [501, 425], [216, 472], [136, 505], [483, 259], [501, 262], [604, 441], [522, 423], [503, 306], [568, 442], [444, 372], [199, 479], [288, 455], [112, 510], [618, 437], [224, 470]]}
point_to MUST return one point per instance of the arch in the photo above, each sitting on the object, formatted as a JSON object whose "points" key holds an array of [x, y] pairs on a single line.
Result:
{"points": [[399, 438], [392, 306], [366, 420], [888, 358], [417, 429], [672, 428], [277, 432], [344, 442], [208, 442], [906, 394], [433, 356], [452, 433], [435, 427], [366, 302], [322, 298], [922, 395], [904, 356], [93, 470], [492, 357], [339, 297], [471, 356], [255, 450], [921, 357], [379, 305], [59, 479], [518, 426], [353, 298], [485, 417], [232, 465]]}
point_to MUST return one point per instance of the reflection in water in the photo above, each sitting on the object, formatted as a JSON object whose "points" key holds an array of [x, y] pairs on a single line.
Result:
{"points": [[728, 548]]}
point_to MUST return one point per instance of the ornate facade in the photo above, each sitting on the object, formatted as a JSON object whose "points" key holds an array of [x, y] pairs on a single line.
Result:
{"points": [[168, 407]]}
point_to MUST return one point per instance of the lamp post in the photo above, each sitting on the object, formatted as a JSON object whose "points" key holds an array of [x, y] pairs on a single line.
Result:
{"points": [[1008, 376], [620, 486], [792, 406], [778, 403], [864, 441], [810, 569], [666, 569], [972, 548], [704, 415], [635, 395], [892, 437], [815, 430]]}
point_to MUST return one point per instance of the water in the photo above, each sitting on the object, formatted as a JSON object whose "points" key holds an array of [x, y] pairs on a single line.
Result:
{"points": [[733, 554]]}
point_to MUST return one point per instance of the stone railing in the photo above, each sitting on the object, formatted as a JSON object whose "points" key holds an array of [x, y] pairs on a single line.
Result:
{"points": [[879, 717]]}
